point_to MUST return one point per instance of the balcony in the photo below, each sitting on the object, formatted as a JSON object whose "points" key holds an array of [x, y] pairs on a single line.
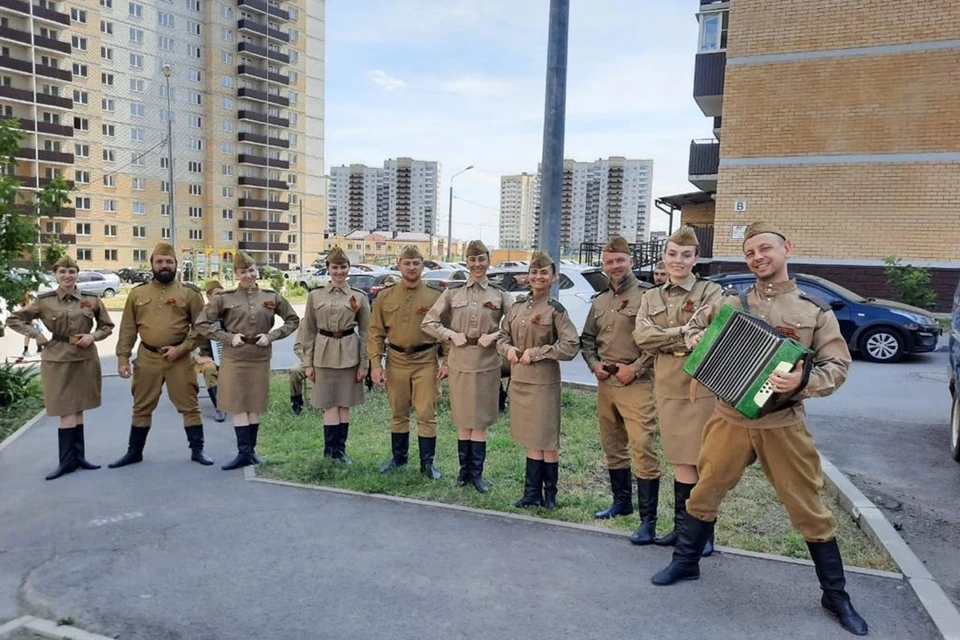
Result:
{"points": [[54, 72], [253, 203], [44, 182], [262, 246], [64, 212], [62, 238], [46, 127], [261, 225], [50, 15], [256, 138], [246, 24], [704, 163], [44, 155], [17, 35], [263, 183], [260, 161], [262, 96], [246, 114], [263, 52], [708, 76], [51, 44], [15, 64], [54, 101], [262, 7]]}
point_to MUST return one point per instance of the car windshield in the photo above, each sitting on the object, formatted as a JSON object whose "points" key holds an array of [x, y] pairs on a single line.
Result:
{"points": [[843, 292], [360, 282], [597, 280]]}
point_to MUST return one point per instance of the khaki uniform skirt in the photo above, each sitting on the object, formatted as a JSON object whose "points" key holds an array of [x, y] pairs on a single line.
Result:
{"points": [[474, 398], [535, 415], [682, 431], [70, 387], [336, 388], [244, 386]]}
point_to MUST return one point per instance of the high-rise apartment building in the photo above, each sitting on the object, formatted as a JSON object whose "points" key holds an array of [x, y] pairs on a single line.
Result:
{"points": [[602, 199], [400, 197], [519, 196], [837, 124], [95, 84]]}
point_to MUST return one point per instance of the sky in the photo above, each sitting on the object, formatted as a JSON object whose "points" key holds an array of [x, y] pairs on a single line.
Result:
{"points": [[462, 82]]}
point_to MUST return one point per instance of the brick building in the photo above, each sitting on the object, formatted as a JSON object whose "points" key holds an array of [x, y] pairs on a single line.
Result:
{"points": [[838, 123]]}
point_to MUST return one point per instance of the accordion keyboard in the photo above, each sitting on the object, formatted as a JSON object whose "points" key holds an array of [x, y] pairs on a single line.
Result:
{"points": [[739, 356]]}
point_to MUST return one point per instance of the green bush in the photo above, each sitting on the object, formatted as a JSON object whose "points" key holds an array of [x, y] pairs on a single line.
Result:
{"points": [[17, 383], [294, 290], [911, 284]]}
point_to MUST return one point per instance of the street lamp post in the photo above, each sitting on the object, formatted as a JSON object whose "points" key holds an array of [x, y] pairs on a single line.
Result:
{"points": [[450, 211], [170, 202]]}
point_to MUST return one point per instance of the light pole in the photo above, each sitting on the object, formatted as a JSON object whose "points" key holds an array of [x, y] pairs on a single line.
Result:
{"points": [[170, 202], [450, 211]]}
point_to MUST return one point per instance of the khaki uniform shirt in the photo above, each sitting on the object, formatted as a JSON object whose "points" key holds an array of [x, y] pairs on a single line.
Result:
{"points": [[793, 313], [607, 333], [335, 309], [64, 314], [163, 315], [247, 312], [396, 317], [670, 307], [543, 326], [475, 309], [298, 342]]}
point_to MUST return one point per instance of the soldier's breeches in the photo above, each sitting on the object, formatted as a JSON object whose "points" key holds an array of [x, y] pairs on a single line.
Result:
{"points": [[150, 373], [413, 386], [789, 459], [628, 419], [297, 376]]}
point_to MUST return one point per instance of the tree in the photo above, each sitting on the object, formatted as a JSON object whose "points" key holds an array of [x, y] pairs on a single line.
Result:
{"points": [[911, 284]]}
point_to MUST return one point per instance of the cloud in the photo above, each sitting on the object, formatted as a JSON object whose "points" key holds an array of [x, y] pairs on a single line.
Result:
{"points": [[384, 80]]}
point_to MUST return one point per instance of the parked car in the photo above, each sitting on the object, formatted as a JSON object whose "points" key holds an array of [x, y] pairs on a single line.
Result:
{"points": [[105, 285], [954, 384], [433, 265], [372, 283], [134, 276], [368, 268], [880, 330], [321, 277], [448, 277]]}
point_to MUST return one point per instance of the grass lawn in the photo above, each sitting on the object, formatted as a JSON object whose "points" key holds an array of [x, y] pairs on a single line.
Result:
{"points": [[751, 518], [13, 417]]}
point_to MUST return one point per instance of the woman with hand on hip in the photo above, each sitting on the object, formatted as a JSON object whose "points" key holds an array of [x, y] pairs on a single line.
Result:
{"points": [[467, 319], [536, 335], [335, 352]]}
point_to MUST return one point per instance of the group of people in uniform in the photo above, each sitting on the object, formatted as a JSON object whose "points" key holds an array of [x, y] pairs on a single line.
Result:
{"points": [[635, 341]]}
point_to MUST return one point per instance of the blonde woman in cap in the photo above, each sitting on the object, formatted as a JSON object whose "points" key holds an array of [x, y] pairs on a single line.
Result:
{"points": [[664, 311], [242, 320], [467, 319], [335, 352], [536, 335], [162, 313], [204, 362], [70, 364]]}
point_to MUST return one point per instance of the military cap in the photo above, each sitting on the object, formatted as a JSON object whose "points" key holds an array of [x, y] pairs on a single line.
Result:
{"points": [[213, 284], [684, 237], [759, 227], [242, 260], [617, 245], [163, 249], [540, 260], [66, 262], [410, 252], [477, 248], [337, 256]]}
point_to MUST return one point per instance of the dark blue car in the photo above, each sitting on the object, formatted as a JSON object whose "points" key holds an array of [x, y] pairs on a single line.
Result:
{"points": [[880, 330], [955, 376]]}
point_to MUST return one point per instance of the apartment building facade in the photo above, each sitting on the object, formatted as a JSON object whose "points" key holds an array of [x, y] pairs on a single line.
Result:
{"points": [[519, 196], [239, 84], [838, 124], [400, 197]]}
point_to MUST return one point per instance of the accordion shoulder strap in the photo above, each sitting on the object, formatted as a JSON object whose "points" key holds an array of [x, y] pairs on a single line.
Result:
{"points": [[744, 303]]}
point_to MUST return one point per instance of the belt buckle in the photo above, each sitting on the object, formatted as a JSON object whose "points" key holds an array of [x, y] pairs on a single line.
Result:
{"points": [[409, 350], [679, 354]]}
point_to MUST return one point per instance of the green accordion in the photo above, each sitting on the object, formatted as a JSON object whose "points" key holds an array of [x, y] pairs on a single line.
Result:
{"points": [[737, 355]]}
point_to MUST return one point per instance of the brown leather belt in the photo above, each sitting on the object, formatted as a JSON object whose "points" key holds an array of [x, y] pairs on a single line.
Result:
{"points": [[149, 347], [66, 339], [250, 339], [335, 334], [411, 350], [472, 342]]}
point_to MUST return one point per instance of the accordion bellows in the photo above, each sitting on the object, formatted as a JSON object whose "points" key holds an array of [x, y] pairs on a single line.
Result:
{"points": [[737, 355]]}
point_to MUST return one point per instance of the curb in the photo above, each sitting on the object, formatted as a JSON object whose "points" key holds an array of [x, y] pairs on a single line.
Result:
{"points": [[872, 522], [19, 432], [49, 629]]}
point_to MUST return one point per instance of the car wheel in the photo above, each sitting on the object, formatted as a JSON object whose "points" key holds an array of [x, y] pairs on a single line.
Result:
{"points": [[109, 293], [882, 345], [955, 429]]}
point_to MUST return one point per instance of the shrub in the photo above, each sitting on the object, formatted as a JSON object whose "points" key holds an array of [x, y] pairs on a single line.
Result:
{"points": [[17, 383], [294, 290], [911, 284]]}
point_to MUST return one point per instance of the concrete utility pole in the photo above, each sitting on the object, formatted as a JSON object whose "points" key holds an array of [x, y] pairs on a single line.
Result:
{"points": [[554, 118], [171, 201], [450, 211]]}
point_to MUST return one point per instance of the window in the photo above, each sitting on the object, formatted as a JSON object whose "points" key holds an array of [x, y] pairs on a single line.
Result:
{"points": [[107, 104], [136, 60], [137, 110], [82, 203], [106, 27], [111, 206], [81, 97], [195, 212], [294, 56], [194, 166], [226, 214], [136, 35], [226, 57], [713, 31], [293, 118], [106, 53], [196, 121], [139, 231], [226, 81], [196, 75], [195, 190], [79, 43], [166, 91], [164, 163], [292, 159], [81, 123], [106, 79], [293, 76], [135, 9], [164, 186], [196, 97], [79, 69], [196, 144], [136, 159], [195, 52], [108, 130], [228, 192], [226, 147], [226, 169], [106, 3], [110, 254], [164, 19], [109, 155], [225, 11], [196, 234], [82, 176], [291, 238], [228, 236], [226, 34], [164, 233], [85, 254], [81, 150], [136, 85], [293, 97], [193, 5], [139, 255], [83, 228], [294, 35], [226, 102], [110, 180], [165, 115], [136, 134], [78, 15], [193, 27]]}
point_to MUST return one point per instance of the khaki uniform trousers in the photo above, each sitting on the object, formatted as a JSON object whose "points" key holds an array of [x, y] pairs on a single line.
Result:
{"points": [[210, 373], [297, 376], [412, 383], [789, 459], [628, 418], [150, 372]]}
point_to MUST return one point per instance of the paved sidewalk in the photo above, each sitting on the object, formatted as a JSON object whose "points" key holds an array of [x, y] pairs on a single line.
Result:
{"points": [[168, 549]]}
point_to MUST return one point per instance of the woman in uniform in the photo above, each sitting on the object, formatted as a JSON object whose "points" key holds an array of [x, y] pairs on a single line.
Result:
{"points": [[663, 311], [468, 319], [246, 316], [536, 334], [334, 352], [70, 364]]}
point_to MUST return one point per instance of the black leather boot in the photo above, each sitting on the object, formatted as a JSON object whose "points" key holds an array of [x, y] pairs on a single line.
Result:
{"points": [[428, 449], [244, 449], [685, 564], [400, 443], [67, 441], [648, 493], [329, 439], [134, 454], [502, 400], [478, 454], [218, 416], [296, 404], [620, 486], [254, 431], [463, 453], [829, 565], [340, 448], [681, 492], [532, 485], [195, 438], [551, 470], [80, 447]]}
